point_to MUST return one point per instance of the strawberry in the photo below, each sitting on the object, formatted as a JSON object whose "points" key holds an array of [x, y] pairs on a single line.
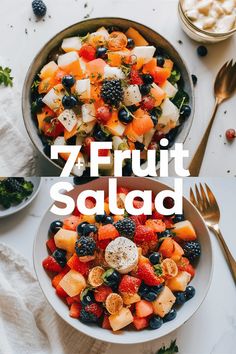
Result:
{"points": [[51, 245], [87, 52], [76, 212], [156, 215], [135, 78], [51, 265], [184, 265], [72, 300], [61, 292], [135, 218], [146, 273], [102, 292], [129, 284], [94, 309], [106, 323], [144, 234], [75, 264], [75, 310], [103, 152], [148, 103], [140, 322], [103, 244]]}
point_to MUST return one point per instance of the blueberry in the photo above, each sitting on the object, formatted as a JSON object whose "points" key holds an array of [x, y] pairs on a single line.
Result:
{"points": [[143, 290], [145, 89], [154, 119], [55, 226], [101, 52], [189, 292], [87, 297], [88, 229], [202, 51], [99, 134], [130, 44], [178, 218], [108, 220], [154, 258], [139, 146], [60, 256], [170, 316], [185, 111], [124, 116], [157, 289], [127, 169], [39, 103], [180, 298], [69, 102], [111, 277], [157, 112], [133, 108], [194, 79], [160, 60], [101, 218], [148, 79], [166, 233], [68, 81], [150, 296], [155, 322], [80, 227]]}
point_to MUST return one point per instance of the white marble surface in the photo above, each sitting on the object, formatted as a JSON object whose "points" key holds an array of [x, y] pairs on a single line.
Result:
{"points": [[22, 38], [212, 330]]}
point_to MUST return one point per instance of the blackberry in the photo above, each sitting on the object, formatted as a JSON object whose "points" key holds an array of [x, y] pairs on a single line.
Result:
{"points": [[112, 92], [87, 317], [192, 250], [85, 246], [39, 8], [126, 227], [12, 185]]}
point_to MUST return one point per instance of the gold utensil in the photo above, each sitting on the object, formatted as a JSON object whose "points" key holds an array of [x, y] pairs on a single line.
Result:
{"points": [[225, 85], [207, 205]]}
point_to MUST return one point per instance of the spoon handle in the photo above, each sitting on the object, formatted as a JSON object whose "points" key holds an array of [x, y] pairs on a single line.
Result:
{"points": [[196, 163]]}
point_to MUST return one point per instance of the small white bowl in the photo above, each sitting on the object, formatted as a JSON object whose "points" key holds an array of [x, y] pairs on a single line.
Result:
{"points": [[201, 281], [16, 208]]}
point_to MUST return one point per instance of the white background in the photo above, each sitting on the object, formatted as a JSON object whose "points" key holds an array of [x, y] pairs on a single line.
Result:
{"points": [[18, 50], [212, 330]]}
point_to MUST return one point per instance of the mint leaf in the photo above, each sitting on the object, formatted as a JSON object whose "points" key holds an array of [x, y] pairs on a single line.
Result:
{"points": [[5, 77], [173, 348]]}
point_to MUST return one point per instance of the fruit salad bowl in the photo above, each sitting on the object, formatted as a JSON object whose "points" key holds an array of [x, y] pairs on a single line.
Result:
{"points": [[81, 88], [128, 335]]}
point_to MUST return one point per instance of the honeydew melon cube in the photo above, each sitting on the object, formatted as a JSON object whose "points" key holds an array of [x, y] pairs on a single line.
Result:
{"points": [[169, 89], [180, 282], [68, 119], [88, 112], [48, 70], [73, 283], [169, 112], [66, 239], [145, 52], [52, 99], [113, 73], [66, 59], [120, 320], [132, 95], [71, 44], [164, 302], [83, 89], [185, 230]]}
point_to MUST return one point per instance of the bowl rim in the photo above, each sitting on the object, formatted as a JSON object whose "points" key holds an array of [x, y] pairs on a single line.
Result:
{"points": [[112, 339], [25, 92], [207, 33]]}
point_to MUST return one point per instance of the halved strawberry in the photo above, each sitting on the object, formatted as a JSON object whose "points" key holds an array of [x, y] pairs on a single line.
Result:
{"points": [[75, 310], [146, 273], [95, 309], [144, 234], [51, 265]]}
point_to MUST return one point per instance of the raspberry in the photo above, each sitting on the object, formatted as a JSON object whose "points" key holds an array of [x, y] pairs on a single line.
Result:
{"points": [[94, 309], [146, 273], [87, 52], [102, 292], [135, 78], [144, 234], [129, 284]]}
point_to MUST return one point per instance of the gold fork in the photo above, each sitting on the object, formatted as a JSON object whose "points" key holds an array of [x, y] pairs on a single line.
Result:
{"points": [[208, 207], [225, 85]]}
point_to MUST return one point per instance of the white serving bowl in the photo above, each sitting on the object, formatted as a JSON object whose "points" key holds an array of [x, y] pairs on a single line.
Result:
{"points": [[201, 281]]}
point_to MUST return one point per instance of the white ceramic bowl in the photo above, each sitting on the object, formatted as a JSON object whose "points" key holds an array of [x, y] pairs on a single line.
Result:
{"points": [[201, 281], [14, 209]]}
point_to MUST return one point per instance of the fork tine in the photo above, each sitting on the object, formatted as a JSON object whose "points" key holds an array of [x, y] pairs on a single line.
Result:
{"points": [[192, 198], [199, 199], [211, 196], [204, 197]]}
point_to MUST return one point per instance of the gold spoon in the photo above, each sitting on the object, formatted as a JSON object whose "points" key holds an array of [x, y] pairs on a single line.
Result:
{"points": [[225, 85]]}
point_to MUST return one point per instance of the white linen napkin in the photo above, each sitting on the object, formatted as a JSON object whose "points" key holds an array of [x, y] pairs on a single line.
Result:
{"points": [[16, 151], [28, 324]]}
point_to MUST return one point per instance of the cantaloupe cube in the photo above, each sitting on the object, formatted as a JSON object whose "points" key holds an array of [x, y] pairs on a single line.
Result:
{"points": [[120, 320], [185, 231], [65, 239], [139, 40], [130, 299], [180, 282], [164, 302], [48, 70], [73, 283]]}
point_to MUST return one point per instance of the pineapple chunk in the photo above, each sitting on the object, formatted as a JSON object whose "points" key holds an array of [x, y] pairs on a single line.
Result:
{"points": [[120, 320], [185, 231], [180, 282], [130, 299], [73, 283], [65, 239], [164, 302]]}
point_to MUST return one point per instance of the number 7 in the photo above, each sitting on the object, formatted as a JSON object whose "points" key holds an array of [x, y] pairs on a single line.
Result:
{"points": [[72, 150]]}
